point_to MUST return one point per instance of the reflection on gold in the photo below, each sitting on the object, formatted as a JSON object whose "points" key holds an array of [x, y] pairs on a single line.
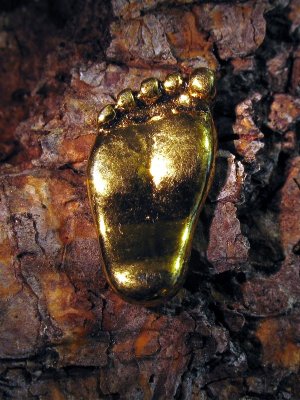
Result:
{"points": [[102, 226], [159, 167], [198, 84], [184, 99], [206, 142], [168, 84], [173, 83], [107, 114], [177, 265], [99, 183], [202, 84], [156, 118], [185, 235], [123, 278]]}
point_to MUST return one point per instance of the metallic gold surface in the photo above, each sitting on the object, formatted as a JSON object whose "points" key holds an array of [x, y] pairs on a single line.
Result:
{"points": [[125, 100], [107, 114], [173, 83], [202, 84], [150, 90], [148, 176]]}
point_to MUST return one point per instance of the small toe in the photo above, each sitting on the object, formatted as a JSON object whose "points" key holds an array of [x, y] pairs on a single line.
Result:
{"points": [[107, 114]]}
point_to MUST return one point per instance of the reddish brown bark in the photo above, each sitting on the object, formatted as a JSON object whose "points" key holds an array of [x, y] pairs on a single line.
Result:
{"points": [[233, 330]]}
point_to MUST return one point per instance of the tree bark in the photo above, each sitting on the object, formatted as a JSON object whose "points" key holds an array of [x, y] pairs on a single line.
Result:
{"points": [[233, 331]]}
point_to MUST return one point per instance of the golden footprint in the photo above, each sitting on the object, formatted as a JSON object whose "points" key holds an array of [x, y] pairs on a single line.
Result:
{"points": [[148, 176]]}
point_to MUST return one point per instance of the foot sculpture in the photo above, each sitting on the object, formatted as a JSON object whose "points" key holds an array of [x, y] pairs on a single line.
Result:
{"points": [[148, 176]]}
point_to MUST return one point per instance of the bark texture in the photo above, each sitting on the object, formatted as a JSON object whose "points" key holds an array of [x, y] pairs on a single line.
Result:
{"points": [[233, 331]]}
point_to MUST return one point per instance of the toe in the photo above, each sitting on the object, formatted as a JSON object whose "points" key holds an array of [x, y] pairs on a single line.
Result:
{"points": [[202, 84], [107, 114], [125, 100], [150, 91], [173, 83]]}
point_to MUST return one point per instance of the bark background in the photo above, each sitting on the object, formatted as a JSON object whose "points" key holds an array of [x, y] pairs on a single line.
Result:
{"points": [[233, 332]]}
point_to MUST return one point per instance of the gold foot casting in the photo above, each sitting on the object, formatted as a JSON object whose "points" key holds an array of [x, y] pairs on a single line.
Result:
{"points": [[148, 176]]}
